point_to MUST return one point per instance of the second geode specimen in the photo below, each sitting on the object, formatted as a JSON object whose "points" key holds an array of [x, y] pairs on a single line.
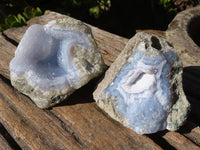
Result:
{"points": [[142, 89], [54, 60]]}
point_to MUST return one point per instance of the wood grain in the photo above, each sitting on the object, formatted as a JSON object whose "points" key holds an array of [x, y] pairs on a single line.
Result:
{"points": [[179, 141], [157, 32], [78, 126], [4, 144], [110, 45], [192, 132], [77, 123], [15, 34], [26, 123], [6, 54]]}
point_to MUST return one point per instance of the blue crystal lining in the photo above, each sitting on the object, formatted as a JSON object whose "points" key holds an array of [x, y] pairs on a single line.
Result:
{"points": [[146, 111], [44, 56]]}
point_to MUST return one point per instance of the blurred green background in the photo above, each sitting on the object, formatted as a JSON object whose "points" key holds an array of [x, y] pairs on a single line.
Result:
{"points": [[116, 16]]}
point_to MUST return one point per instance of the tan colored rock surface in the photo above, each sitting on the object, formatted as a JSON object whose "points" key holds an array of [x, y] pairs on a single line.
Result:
{"points": [[184, 33]]}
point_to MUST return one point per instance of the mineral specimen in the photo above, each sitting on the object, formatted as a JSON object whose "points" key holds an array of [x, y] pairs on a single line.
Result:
{"points": [[142, 89], [54, 60]]}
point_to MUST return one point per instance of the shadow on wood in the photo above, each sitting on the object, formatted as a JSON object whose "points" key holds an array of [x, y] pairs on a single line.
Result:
{"points": [[78, 123], [82, 95], [191, 86]]}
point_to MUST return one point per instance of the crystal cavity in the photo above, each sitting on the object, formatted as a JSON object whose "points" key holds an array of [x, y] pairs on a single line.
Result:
{"points": [[54, 60], [143, 87]]}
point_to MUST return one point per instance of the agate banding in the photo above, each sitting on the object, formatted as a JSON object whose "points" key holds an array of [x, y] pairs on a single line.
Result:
{"points": [[142, 89], [54, 60]]}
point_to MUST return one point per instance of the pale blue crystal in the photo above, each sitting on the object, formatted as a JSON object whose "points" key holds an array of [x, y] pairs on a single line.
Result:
{"points": [[53, 60], [44, 55], [143, 86], [140, 110]]}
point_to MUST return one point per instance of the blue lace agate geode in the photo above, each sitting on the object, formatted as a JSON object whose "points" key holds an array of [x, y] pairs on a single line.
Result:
{"points": [[54, 60], [143, 87]]}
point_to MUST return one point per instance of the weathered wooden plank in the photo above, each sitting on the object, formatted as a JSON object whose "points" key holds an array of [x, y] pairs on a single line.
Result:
{"points": [[192, 132], [125, 141], [109, 44], [85, 121], [100, 131], [4, 144], [137, 143], [179, 142], [9, 140], [6, 54], [15, 34], [64, 127], [158, 32], [30, 126]]}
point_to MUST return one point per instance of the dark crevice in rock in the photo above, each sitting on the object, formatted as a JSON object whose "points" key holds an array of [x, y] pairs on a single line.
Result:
{"points": [[193, 29], [170, 44], [146, 45], [10, 40], [155, 43]]}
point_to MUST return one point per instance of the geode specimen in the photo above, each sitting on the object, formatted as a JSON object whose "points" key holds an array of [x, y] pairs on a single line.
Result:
{"points": [[54, 60], [143, 87]]}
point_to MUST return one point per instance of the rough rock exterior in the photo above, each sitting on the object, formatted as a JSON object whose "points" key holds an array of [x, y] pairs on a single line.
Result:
{"points": [[143, 87], [183, 32], [54, 60]]}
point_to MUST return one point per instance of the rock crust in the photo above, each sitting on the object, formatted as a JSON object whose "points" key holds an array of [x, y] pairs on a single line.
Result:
{"points": [[142, 89], [183, 32], [54, 60]]}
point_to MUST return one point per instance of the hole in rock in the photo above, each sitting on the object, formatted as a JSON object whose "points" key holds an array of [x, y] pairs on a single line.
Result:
{"points": [[146, 45], [155, 43], [194, 29]]}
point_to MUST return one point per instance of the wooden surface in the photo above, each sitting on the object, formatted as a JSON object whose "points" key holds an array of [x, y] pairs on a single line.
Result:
{"points": [[78, 123], [4, 144]]}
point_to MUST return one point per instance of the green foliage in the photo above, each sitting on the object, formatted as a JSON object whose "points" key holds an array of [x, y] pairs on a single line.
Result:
{"points": [[168, 5], [104, 2], [12, 21], [95, 7], [32, 12], [172, 7], [76, 2], [102, 6], [95, 11], [19, 20], [165, 3]]}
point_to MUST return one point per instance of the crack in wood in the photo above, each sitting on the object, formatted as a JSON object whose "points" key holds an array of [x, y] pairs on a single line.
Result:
{"points": [[58, 120], [10, 40], [67, 128], [12, 143]]}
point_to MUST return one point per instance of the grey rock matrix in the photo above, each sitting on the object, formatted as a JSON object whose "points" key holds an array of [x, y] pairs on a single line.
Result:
{"points": [[142, 89], [54, 60]]}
